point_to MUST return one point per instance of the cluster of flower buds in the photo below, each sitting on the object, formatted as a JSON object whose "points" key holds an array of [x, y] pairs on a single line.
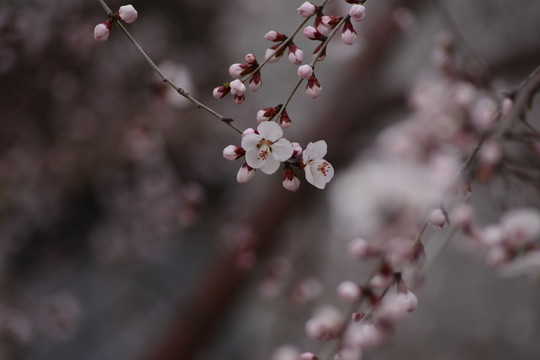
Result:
{"points": [[379, 310], [511, 245], [125, 13], [237, 87]]}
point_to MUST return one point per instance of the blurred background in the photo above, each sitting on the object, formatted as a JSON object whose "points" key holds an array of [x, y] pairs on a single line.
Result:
{"points": [[123, 232]]}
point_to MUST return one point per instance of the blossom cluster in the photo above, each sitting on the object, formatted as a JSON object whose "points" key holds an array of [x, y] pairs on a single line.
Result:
{"points": [[265, 148]]}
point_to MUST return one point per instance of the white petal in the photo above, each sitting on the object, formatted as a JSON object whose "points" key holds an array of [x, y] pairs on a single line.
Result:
{"points": [[282, 150], [270, 130], [319, 173], [250, 142], [314, 151], [257, 157], [270, 165]]}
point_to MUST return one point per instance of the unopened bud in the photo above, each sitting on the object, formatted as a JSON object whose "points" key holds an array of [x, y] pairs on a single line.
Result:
{"points": [[127, 13], [102, 31]]}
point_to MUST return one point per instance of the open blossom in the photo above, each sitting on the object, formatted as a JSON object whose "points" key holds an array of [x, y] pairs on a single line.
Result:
{"points": [[267, 149], [102, 31], [318, 171], [306, 9], [127, 13]]}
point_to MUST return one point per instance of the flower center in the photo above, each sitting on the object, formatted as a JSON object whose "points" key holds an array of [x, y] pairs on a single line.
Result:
{"points": [[323, 168]]}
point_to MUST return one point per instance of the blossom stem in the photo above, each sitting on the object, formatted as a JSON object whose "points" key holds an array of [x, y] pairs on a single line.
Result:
{"points": [[165, 78]]}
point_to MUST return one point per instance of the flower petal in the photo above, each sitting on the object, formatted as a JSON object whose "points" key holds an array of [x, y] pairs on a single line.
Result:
{"points": [[319, 173], [270, 166], [250, 142], [314, 151], [270, 130], [282, 150], [257, 157]]}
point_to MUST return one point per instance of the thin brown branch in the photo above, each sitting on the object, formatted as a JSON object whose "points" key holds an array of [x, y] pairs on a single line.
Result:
{"points": [[165, 78]]}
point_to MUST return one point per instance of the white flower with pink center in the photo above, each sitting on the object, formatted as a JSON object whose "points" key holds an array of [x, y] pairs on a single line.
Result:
{"points": [[267, 149], [318, 171]]}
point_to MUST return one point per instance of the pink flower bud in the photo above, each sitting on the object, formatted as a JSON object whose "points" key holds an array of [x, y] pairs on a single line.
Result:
{"points": [[327, 323], [290, 181], [330, 21], [245, 174], [306, 9], [381, 281], [237, 70], [239, 99], [506, 106], [237, 88], [348, 35], [102, 31], [255, 82], [284, 120], [311, 33], [462, 215], [296, 55], [361, 249], [365, 335], [233, 152], [313, 88], [274, 36], [348, 292], [322, 55], [305, 71], [307, 356], [251, 60], [297, 151], [221, 91], [127, 13], [272, 51], [267, 113], [437, 219], [357, 12], [249, 131]]}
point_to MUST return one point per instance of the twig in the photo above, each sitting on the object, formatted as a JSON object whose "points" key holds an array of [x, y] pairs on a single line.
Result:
{"points": [[179, 90]]}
